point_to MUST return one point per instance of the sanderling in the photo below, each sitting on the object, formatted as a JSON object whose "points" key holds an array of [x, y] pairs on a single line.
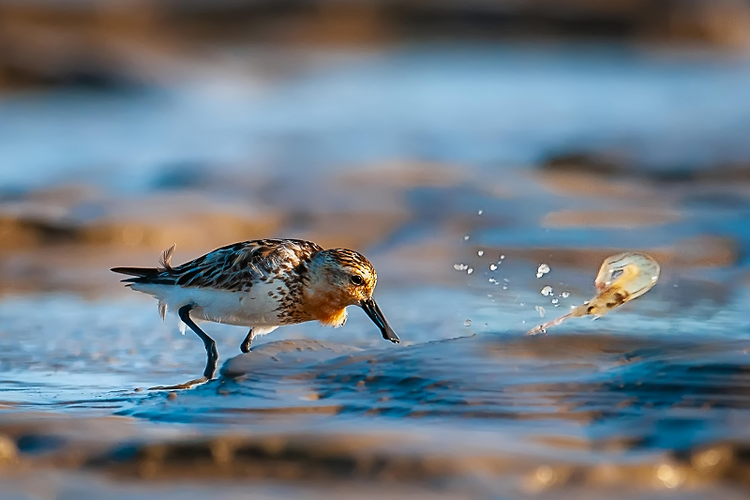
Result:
{"points": [[262, 284]]}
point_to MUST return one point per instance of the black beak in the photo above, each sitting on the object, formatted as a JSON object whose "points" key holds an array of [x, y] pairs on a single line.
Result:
{"points": [[376, 315]]}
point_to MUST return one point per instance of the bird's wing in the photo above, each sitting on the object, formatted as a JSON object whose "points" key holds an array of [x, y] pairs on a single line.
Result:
{"points": [[234, 267]]}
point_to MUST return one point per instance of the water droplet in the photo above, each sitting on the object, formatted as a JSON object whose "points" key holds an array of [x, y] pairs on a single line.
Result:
{"points": [[505, 287], [540, 310], [542, 270], [480, 252], [466, 238], [480, 212], [470, 270], [502, 257], [493, 281], [547, 291], [467, 322], [460, 267], [565, 294], [556, 302], [493, 267]]}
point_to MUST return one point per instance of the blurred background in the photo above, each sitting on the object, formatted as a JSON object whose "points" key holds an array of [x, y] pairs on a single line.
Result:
{"points": [[459, 145]]}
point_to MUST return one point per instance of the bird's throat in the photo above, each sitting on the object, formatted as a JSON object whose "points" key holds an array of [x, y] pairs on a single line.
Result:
{"points": [[327, 308]]}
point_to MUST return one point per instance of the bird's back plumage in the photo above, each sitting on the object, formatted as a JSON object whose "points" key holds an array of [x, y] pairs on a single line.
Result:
{"points": [[231, 268]]}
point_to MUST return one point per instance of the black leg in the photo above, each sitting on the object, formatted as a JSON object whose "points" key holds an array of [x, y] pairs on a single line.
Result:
{"points": [[209, 343], [245, 346]]}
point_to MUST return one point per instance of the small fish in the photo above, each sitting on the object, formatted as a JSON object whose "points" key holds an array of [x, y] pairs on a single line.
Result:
{"points": [[261, 284]]}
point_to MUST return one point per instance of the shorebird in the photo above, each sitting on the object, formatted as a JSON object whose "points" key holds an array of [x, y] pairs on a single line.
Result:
{"points": [[261, 284]]}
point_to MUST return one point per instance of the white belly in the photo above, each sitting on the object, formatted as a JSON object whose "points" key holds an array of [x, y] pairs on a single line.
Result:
{"points": [[252, 308]]}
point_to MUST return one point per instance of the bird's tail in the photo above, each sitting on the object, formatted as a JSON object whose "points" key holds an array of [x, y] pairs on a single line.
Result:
{"points": [[146, 274], [138, 273]]}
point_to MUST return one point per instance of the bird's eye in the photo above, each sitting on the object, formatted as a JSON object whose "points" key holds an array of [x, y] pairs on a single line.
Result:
{"points": [[357, 279]]}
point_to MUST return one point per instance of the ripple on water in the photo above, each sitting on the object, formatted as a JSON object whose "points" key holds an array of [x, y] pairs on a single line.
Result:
{"points": [[648, 393]]}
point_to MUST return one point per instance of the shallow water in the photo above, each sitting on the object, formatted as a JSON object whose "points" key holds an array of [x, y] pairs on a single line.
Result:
{"points": [[424, 159]]}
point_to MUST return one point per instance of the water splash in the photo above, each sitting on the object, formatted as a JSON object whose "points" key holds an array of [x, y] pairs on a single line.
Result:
{"points": [[621, 278]]}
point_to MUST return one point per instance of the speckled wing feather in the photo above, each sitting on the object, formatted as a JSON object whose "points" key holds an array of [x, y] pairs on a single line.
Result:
{"points": [[234, 267]]}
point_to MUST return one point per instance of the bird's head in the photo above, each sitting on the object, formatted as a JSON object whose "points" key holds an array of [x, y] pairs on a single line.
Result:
{"points": [[339, 278]]}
